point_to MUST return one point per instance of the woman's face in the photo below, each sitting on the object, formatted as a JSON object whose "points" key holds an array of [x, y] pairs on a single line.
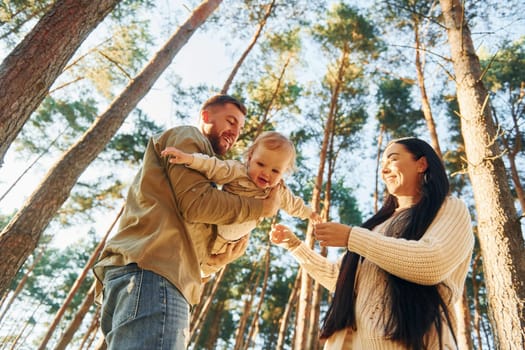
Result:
{"points": [[401, 172]]}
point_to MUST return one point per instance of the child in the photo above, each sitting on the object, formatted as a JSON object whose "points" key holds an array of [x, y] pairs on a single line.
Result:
{"points": [[269, 157]]}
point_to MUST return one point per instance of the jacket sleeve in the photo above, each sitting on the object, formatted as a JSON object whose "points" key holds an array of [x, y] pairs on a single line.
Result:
{"points": [[292, 204], [197, 199], [217, 170], [446, 245]]}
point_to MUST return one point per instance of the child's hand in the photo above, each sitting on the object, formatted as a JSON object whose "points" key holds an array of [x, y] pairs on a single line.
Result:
{"points": [[315, 218], [283, 237], [177, 156]]}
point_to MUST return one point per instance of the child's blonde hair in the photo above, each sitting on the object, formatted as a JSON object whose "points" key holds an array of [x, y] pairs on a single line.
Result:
{"points": [[274, 140]]}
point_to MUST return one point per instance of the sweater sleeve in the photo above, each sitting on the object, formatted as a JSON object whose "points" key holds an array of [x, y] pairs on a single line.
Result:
{"points": [[217, 170], [196, 198], [318, 267], [292, 204], [447, 243]]}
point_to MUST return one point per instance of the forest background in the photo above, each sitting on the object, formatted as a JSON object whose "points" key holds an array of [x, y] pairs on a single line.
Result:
{"points": [[340, 78]]}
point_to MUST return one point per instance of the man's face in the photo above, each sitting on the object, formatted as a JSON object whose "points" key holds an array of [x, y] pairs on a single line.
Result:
{"points": [[222, 124]]}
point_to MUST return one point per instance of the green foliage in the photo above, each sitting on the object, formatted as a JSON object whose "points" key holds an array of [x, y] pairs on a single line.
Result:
{"points": [[346, 204], [129, 147], [506, 71], [55, 274], [17, 15], [396, 112], [71, 117], [347, 30]]}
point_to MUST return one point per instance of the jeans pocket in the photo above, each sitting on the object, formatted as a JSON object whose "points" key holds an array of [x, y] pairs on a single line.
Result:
{"points": [[122, 286]]}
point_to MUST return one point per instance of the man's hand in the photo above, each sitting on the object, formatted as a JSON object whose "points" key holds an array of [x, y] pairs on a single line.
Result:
{"points": [[271, 204], [233, 251]]}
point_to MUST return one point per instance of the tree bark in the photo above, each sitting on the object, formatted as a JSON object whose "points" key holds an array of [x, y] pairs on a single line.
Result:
{"points": [[20, 237], [33, 66], [499, 231]]}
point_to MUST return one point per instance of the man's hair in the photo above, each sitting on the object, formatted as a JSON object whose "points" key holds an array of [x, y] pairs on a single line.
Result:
{"points": [[274, 140], [221, 100]]}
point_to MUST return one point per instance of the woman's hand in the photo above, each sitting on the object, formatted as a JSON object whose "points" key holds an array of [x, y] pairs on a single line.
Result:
{"points": [[284, 237], [332, 234]]}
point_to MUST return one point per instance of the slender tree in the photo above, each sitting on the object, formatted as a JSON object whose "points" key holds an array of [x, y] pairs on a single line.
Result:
{"points": [[267, 12], [499, 231], [20, 236]]}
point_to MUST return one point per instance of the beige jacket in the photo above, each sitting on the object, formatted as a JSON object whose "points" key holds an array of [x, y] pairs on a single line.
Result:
{"points": [[170, 216], [442, 255]]}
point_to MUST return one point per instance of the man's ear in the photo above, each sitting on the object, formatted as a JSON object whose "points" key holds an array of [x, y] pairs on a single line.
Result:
{"points": [[205, 115]]}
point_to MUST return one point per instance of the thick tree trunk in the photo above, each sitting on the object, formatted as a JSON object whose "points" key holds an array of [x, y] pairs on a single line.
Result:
{"points": [[19, 238], [499, 231], [33, 66]]}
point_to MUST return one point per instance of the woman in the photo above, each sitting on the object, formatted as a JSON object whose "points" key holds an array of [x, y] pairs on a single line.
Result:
{"points": [[404, 267]]}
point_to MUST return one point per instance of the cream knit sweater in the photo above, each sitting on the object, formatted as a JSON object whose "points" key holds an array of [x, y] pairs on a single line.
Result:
{"points": [[441, 255]]}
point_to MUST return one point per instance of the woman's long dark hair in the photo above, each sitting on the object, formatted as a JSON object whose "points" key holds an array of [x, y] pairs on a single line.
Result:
{"points": [[414, 308]]}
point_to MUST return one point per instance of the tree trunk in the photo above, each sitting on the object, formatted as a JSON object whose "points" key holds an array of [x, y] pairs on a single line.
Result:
{"points": [[425, 103], [378, 165], [463, 322], [33, 66], [251, 287], [91, 334], [203, 312], [78, 283], [255, 318], [20, 286], [499, 231], [255, 37], [285, 318], [305, 295], [20, 237], [65, 339]]}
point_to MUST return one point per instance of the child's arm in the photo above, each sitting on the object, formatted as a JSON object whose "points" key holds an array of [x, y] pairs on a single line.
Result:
{"points": [[216, 170], [295, 205]]}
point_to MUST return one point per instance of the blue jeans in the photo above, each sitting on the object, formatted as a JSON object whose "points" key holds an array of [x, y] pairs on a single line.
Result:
{"points": [[142, 310]]}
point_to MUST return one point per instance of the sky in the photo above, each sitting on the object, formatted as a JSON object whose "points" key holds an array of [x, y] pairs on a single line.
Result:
{"points": [[202, 60]]}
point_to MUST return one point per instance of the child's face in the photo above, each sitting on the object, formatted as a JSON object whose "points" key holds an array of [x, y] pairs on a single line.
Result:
{"points": [[266, 167]]}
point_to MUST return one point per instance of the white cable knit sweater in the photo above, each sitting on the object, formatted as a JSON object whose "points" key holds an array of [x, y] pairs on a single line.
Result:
{"points": [[442, 255]]}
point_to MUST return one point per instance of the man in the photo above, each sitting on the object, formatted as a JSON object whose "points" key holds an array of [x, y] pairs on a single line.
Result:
{"points": [[151, 269]]}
